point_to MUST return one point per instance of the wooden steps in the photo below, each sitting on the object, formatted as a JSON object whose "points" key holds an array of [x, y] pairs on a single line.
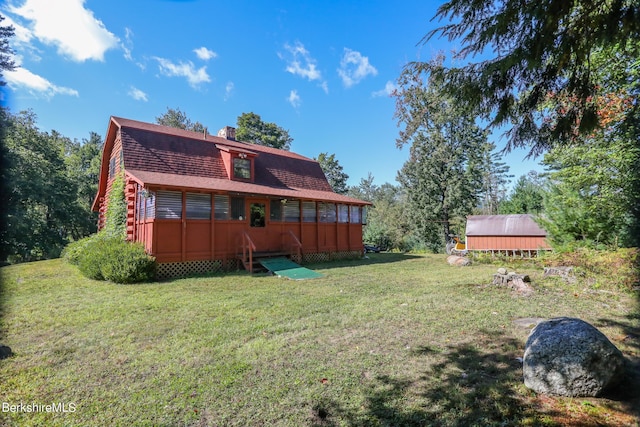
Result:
{"points": [[259, 256]]}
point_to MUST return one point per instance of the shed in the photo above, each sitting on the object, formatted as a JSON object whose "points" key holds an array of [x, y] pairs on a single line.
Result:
{"points": [[510, 233], [200, 202]]}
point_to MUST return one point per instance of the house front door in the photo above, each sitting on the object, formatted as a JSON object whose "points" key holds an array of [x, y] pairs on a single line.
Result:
{"points": [[258, 227]]}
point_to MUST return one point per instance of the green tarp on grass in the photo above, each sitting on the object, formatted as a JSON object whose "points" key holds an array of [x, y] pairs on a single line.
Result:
{"points": [[284, 267]]}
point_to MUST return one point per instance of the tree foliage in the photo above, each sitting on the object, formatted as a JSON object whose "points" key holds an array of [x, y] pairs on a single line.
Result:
{"points": [[526, 197], [46, 202], [176, 118], [590, 192], [6, 53], [388, 224], [489, 175], [334, 172], [251, 128], [440, 177], [539, 53]]}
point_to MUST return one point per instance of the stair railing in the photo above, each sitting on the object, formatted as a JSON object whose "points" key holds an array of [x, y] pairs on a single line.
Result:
{"points": [[248, 247], [296, 247]]}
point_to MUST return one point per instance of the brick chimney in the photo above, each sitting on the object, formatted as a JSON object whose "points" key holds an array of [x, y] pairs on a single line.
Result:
{"points": [[228, 132]]}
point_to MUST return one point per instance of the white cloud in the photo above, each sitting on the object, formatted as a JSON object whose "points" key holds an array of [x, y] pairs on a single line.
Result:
{"points": [[228, 90], [127, 45], [184, 69], [205, 54], [294, 99], [137, 94], [21, 77], [301, 63], [86, 38], [389, 88], [354, 67]]}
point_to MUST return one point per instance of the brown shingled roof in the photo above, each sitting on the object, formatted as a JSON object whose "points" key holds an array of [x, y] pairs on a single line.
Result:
{"points": [[161, 155]]}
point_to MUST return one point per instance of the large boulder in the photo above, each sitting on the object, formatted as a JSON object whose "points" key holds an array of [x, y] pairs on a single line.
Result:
{"points": [[569, 357]]}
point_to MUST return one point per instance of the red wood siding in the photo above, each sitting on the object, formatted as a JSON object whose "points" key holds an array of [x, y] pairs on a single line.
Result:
{"points": [[496, 243], [180, 240]]}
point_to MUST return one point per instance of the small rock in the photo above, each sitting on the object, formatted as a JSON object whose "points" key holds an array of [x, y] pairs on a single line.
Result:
{"points": [[5, 352], [458, 260], [502, 271]]}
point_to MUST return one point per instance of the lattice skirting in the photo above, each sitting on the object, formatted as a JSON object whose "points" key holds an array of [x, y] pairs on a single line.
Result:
{"points": [[181, 269], [330, 256]]}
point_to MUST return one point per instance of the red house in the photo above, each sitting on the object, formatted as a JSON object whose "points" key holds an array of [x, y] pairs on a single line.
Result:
{"points": [[200, 202]]}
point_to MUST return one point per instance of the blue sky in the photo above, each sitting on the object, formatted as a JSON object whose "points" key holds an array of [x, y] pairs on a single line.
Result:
{"points": [[322, 70]]}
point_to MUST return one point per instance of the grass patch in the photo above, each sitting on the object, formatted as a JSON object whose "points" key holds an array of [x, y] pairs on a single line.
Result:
{"points": [[390, 340]]}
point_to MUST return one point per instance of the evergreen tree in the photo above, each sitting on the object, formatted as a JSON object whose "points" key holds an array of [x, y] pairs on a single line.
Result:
{"points": [[334, 172], [6, 53], [526, 197], [178, 119], [489, 175], [589, 196], [251, 128], [365, 190], [542, 53]]}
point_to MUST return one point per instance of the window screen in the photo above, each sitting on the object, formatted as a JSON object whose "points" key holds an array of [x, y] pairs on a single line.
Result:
{"points": [[169, 205], [327, 212], [343, 213], [198, 206], [237, 208], [150, 205], [221, 206], [275, 210], [309, 212], [292, 211], [355, 214]]}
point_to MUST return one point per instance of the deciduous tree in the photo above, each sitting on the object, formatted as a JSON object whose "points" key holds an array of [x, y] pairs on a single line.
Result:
{"points": [[41, 196], [439, 177]]}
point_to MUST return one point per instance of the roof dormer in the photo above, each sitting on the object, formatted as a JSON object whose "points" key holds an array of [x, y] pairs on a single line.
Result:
{"points": [[238, 162]]}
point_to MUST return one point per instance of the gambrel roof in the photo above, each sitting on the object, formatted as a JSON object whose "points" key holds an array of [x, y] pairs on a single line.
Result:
{"points": [[156, 155]]}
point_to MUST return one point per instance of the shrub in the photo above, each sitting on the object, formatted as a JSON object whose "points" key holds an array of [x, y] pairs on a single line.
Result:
{"points": [[90, 256], [127, 263], [101, 257], [613, 268], [74, 250]]}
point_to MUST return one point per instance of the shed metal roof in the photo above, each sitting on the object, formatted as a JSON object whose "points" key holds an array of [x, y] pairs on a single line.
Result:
{"points": [[503, 225]]}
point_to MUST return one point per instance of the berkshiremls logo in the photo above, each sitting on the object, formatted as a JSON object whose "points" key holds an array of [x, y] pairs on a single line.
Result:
{"points": [[36, 407]]}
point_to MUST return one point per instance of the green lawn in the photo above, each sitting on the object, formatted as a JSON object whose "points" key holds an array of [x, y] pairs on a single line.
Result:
{"points": [[390, 340]]}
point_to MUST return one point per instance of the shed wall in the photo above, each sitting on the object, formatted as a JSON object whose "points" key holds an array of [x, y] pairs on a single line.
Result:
{"points": [[497, 243]]}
